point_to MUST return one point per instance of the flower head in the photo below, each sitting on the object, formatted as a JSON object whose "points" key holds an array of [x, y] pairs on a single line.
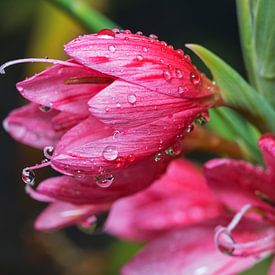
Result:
{"points": [[119, 106]]}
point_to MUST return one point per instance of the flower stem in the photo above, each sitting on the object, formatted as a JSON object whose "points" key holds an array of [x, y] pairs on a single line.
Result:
{"points": [[88, 17]]}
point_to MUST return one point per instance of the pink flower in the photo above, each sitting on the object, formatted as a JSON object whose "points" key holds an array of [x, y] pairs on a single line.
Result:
{"points": [[115, 106], [177, 215]]}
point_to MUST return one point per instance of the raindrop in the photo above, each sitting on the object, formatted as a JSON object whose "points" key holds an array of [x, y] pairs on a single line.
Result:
{"points": [[106, 34], [179, 73], [153, 36], [110, 153], [180, 52], [189, 128], [195, 78], [48, 151], [116, 30], [131, 157], [132, 99], [158, 156], [170, 152], [89, 225], [116, 133], [201, 120], [170, 47], [45, 108], [225, 242], [28, 176], [139, 33], [180, 90], [145, 49], [167, 75], [104, 180], [107, 109], [163, 43], [20, 88], [120, 162], [118, 105], [139, 57], [112, 48], [187, 58]]}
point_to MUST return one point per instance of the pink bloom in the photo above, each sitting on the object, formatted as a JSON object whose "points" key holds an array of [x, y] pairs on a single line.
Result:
{"points": [[115, 106], [178, 214]]}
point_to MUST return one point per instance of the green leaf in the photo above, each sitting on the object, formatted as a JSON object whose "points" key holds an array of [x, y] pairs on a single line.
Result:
{"points": [[257, 30], [236, 92]]}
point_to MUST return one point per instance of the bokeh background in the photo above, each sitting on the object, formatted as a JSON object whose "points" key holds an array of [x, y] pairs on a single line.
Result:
{"points": [[37, 28]]}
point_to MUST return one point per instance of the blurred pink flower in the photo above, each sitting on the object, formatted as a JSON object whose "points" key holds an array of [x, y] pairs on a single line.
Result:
{"points": [[110, 113], [178, 215]]}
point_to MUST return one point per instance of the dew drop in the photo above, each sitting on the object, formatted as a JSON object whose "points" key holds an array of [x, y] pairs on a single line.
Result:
{"points": [[120, 162], [48, 151], [20, 88], [187, 58], [180, 52], [195, 78], [139, 57], [132, 99], [225, 242], [153, 36], [179, 73], [115, 134], [163, 43], [110, 153], [167, 75], [139, 33], [106, 34], [112, 48], [180, 90], [45, 108], [104, 180], [118, 105], [131, 158], [89, 225], [145, 49], [189, 128], [107, 109], [159, 156], [28, 176]]}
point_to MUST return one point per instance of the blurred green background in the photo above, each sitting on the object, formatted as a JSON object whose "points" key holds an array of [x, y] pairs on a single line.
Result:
{"points": [[36, 28]]}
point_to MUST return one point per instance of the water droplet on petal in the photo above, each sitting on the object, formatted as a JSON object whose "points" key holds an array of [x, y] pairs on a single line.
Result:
{"points": [[106, 34], [110, 153], [139, 33], [89, 225], [112, 48], [116, 133], [118, 105], [180, 52], [131, 158], [153, 36], [45, 108], [48, 151], [180, 90], [19, 88], [189, 128], [159, 156], [179, 73], [132, 99], [167, 75], [139, 57], [145, 49], [195, 78], [104, 179], [225, 242], [107, 109], [28, 176]]}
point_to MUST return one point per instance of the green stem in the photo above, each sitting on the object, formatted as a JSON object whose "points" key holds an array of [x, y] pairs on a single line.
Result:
{"points": [[88, 17]]}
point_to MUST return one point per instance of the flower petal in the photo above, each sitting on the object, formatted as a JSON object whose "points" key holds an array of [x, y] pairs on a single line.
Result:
{"points": [[180, 197], [87, 152], [60, 214], [32, 126], [142, 61], [127, 105], [84, 189], [238, 183], [49, 88], [186, 251], [267, 145]]}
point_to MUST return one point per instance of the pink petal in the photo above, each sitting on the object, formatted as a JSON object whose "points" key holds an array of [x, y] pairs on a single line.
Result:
{"points": [[61, 214], [267, 145], [238, 183], [127, 105], [142, 61], [48, 88], [272, 268], [32, 126], [186, 251], [87, 150], [180, 197], [86, 190]]}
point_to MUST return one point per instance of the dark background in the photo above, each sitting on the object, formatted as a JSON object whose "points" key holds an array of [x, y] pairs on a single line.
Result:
{"points": [[212, 24]]}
